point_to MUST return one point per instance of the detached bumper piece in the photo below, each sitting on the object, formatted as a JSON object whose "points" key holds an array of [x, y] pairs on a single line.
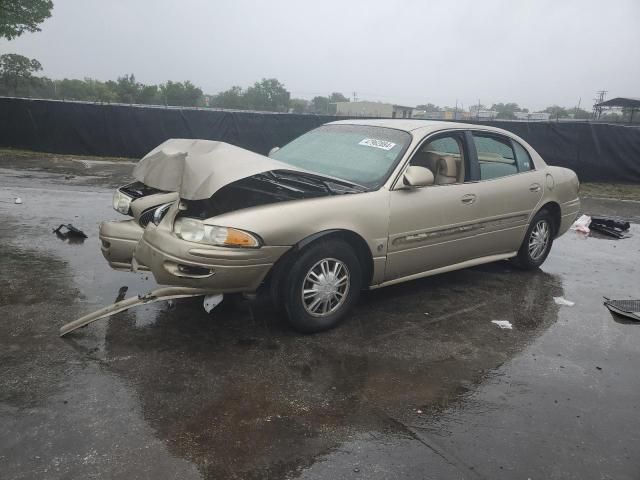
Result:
{"points": [[612, 226], [627, 308], [167, 293]]}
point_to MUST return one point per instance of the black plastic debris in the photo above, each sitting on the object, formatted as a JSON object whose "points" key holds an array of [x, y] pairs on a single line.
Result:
{"points": [[612, 226], [121, 293], [68, 231], [627, 308]]}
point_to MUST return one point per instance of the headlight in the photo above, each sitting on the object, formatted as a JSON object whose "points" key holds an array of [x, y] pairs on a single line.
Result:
{"points": [[121, 202], [160, 212], [193, 230]]}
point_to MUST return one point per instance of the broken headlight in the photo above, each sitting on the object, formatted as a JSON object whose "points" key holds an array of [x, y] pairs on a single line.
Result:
{"points": [[193, 230], [121, 202]]}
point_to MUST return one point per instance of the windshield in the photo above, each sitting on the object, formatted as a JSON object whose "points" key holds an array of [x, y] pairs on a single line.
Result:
{"points": [[361, 154]]}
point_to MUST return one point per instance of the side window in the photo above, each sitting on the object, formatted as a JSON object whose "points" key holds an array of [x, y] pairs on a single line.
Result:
{"points": [[444, 157], [522, 158], [495, 156]]}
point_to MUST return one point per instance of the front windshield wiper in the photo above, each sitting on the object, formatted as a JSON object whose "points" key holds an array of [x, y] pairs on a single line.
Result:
{"points": [[326, 183]]}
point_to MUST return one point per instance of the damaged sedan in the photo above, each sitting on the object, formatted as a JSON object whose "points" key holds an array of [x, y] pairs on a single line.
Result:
{"points": [[351, 205]]}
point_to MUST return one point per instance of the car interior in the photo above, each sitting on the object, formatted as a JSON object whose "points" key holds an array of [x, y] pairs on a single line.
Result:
{"points": [[444, 158]]}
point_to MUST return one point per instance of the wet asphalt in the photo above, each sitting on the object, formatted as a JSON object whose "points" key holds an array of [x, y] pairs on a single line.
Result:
{"points": [[418, 383]]}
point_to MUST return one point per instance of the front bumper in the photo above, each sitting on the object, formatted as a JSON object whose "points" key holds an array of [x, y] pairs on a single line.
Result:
{"points": [[118, 241], [174, 261]]}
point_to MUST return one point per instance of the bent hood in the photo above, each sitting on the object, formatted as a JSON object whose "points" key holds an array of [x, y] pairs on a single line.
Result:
{"points": [[197, 169]]}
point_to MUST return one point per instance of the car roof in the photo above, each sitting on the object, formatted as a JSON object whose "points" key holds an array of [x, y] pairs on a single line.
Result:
{"points": [[410, 125]]}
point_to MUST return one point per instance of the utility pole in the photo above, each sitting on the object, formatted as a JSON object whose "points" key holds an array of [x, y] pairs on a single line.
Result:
{"points": [[355, 97], [597, 111]]}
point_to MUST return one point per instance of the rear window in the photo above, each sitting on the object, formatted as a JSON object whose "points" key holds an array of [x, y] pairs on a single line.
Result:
{"points": [[360, 154], [495, 156]]}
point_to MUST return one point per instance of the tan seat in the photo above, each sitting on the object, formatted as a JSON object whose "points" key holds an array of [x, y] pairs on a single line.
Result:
{"points": [[447, 170]]}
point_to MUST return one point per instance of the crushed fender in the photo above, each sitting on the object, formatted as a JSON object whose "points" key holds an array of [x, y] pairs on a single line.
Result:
{"points": [[166, 293]]}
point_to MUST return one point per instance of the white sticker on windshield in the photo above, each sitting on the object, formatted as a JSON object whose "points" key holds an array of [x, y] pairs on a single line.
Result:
{"points": [[372, 142]]}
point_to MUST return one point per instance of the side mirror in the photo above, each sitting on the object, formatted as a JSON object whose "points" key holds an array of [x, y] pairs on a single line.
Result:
{"points": [[415, 176], [273, 150]]}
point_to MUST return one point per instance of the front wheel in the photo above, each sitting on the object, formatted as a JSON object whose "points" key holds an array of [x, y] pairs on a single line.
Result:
{"points": [[537, 242], [323, 284]]}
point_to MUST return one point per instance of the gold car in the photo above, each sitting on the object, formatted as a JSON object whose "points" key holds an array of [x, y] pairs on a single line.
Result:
{"points": [[351, 205]]}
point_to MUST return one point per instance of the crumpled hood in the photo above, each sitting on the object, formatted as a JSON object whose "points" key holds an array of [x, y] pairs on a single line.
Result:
{"points": [[197, 169]]}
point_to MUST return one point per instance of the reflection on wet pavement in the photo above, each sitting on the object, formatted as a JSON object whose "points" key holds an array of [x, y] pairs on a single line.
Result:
{"points": [[418, 383]]}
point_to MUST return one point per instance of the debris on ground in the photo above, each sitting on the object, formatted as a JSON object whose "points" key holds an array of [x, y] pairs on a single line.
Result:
{"points": [[18, 201], [121, 293], [212, 301], [563, 301], [165, 293], [627, 308], [612, 226], [71, 231], [505, 324], [582, 224]]}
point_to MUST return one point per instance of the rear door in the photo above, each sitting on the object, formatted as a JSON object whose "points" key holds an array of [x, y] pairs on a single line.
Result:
{"points": [[509, 189]]}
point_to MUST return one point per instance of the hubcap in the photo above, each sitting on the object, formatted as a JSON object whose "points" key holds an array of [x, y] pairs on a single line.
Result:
{"points": [[538, 240], [325, 287]]}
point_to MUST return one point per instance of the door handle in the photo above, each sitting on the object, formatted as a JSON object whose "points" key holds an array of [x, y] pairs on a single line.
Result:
{"points": [[535, 187], [468, 199]]}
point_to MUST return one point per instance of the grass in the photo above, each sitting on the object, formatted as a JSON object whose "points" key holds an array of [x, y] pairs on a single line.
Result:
{"points": [[619, 191], [18, 153]]}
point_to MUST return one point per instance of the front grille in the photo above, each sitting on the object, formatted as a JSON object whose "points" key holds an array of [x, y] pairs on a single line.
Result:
{"points": [[146, 217]]}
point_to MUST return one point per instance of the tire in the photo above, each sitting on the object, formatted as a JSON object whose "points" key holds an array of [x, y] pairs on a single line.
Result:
{"points": [[532, 252], [312, 289]]}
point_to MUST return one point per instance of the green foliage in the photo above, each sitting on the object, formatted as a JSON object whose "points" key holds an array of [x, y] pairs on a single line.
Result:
{"points": [[556, 111], [298, 105], [16, 70], [579, 113], [507, 110], [320, 105], [268, 94], [337, 97], [180, 94], [428, 107], [19, 16]]}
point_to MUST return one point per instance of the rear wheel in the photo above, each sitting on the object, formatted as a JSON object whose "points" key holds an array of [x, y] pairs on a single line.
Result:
{"points": [[537, 242], [323, 284]]}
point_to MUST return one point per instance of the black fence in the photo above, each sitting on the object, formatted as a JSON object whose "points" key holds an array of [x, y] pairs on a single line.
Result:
{"points": [[596, 151]]}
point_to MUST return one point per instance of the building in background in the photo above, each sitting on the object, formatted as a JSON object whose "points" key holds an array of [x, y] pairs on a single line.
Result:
{"points": [[532, 116], [372, 109]]}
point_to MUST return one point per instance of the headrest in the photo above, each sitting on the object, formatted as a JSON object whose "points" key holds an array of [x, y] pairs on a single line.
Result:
{"points": [[448, 166]]}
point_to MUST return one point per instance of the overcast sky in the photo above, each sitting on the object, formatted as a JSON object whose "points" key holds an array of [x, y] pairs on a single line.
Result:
{"points": [[535, 53]]}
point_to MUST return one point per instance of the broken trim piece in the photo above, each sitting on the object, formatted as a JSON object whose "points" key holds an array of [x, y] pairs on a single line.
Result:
{"points": [[166, 293]]}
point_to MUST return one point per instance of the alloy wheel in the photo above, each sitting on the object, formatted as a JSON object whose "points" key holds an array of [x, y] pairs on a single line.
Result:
{"points": [[539, 239], [325, 287]]}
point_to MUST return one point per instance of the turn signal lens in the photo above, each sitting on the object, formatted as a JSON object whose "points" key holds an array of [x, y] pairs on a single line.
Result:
{"points": [[193, 230]]}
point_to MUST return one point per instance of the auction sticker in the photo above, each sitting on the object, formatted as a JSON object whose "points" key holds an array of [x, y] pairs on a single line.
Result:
{"points": [[372, 142]]}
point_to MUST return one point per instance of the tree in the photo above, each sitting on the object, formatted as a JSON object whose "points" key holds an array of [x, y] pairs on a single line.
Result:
{"points": [[232, 98], [579, 113], [429, 107], [16, 69], [337, 97], [556, 111], [320, 104], [127, 89], [298, 105], [181, 94], [19, 16], [506, 110], [268, 94]]}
